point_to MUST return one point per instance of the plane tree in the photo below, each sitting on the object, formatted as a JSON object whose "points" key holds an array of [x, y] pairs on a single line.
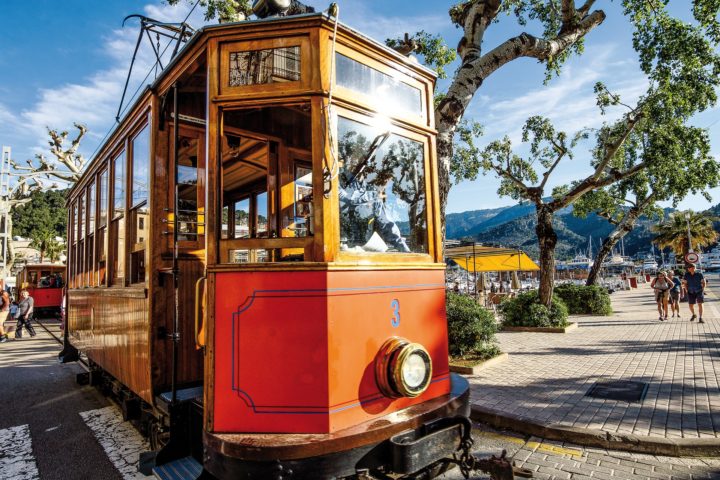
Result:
{"points": [[685, 166], [682, 68]]}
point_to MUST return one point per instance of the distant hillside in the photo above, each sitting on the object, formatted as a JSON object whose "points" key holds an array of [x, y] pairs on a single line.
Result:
{"points": [[515, 227]]}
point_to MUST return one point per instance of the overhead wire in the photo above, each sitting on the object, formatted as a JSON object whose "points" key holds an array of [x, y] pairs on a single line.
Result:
{"points": [[141, 85]]}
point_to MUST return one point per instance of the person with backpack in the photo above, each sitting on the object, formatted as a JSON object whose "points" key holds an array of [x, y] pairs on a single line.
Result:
{"points": [[662, 287]]}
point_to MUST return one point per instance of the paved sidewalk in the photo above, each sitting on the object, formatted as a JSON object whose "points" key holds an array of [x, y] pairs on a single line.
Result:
{"points": [[545, 379]]}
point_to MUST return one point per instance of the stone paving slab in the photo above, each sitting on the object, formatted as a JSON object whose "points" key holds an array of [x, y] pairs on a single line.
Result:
{"points": [[547, 375]]}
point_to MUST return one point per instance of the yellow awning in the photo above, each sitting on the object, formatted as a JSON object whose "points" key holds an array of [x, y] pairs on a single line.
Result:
{"points": [[488, 259]]}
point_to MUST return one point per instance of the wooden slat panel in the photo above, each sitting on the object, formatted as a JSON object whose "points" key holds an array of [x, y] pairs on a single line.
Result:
{"points": [[112, 329]]}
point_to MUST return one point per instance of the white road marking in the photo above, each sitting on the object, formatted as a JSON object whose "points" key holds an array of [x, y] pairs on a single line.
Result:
{"points": [[120, 440], [16, 458]]}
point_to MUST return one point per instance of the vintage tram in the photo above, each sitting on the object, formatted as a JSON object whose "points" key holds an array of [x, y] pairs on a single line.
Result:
{"points": [[44, 282], [255, 264]]}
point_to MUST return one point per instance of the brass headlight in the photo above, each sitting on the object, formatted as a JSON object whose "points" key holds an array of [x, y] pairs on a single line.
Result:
{"points": [[403, 369]]}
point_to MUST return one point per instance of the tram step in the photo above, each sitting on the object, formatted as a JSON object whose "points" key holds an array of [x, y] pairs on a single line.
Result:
{"points": [[193, 394], [186, 468]]}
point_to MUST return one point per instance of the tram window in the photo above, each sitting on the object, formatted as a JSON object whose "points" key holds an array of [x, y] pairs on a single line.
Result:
{"points": [[102, 228], [138, 217], [140, 165], [81, 213], [90, 256], [260, 149], [242, 219], [187, 178], [253, 255], [382, 190], [117, 225], [119, 185], [117, 238], [261, 215], [103, 193], [303, 207], [387, 91], [271, 65], [225, 227], [245, 174], [91, 208]]}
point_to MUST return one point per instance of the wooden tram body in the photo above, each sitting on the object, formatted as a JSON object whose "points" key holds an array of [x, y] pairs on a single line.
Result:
{"points": [[294, 205], [44, 283]]}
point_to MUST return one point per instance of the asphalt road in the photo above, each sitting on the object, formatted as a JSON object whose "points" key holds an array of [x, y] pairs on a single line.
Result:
{"points": [[38, 392]]}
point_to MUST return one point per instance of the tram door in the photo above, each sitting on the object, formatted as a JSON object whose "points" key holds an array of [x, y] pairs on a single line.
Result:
{"points": [[190, 247]]}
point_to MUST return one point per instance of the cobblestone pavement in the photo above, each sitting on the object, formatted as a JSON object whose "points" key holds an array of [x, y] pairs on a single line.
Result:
{"points": [[547, 375], [557, 460]]}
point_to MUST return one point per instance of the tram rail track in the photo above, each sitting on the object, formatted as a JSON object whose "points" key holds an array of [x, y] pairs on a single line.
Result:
{"points": [[82, 361]]}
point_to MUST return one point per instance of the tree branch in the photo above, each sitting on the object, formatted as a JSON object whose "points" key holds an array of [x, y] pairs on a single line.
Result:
{"points": [[476, 16], [506, 174], [546, 175], [630, 121]]}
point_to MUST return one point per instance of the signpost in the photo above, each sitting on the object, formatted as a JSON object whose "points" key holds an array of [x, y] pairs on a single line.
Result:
{"points": [[691, 257]]}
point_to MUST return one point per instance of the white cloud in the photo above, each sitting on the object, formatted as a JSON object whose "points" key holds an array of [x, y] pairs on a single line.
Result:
{"points": [[568, 101], [93, 101]]}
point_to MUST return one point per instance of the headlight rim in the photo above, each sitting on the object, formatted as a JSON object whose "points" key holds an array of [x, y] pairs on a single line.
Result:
{"points": [[389, 366]]}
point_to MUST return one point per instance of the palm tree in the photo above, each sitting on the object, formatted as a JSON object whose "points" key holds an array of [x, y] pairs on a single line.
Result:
{"points": [[53, 249], [40, 239], [673, 232]]}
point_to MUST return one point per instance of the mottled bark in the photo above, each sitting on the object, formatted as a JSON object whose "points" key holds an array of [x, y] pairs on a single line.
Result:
{"points": [[547, 241]]}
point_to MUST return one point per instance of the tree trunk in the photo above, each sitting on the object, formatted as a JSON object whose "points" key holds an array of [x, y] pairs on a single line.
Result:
{"points": [[547, 240], [625, 226]]}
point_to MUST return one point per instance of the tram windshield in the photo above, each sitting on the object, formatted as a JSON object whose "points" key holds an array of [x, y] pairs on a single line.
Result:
{"points": [[382, 190]]}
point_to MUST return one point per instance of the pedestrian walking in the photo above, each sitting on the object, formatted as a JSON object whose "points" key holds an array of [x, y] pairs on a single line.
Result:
{"points": [[24, 314], [4, 311], [662, 287], [674, 300], [694, 285]]}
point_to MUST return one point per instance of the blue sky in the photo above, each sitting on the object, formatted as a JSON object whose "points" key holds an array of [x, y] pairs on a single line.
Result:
{"points": [[68, 64]]}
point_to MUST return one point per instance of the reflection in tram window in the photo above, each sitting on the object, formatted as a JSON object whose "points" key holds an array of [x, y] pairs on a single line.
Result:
{"points": [[271, 65], [253, 255], [382, 190], [303, 201], [393, 95]]}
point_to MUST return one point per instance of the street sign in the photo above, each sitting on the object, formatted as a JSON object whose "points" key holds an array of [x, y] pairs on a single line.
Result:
{"points": [[691, 257]]}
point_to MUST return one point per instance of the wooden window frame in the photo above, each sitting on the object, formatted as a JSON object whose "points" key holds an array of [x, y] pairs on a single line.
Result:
{"points": [[199, 133], [398, 258], [400, 74], [301, 40]]}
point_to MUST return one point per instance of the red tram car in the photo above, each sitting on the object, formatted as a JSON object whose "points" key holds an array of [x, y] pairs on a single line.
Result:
{"points": [[44, 282], [255, 264]]}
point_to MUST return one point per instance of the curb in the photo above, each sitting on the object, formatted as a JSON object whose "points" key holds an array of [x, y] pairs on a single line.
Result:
{"points": [[474, 370], [571, 326], [681, 447]]}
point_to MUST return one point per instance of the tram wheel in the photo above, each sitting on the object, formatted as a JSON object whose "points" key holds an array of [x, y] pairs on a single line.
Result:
{"points": [[159, 436]]}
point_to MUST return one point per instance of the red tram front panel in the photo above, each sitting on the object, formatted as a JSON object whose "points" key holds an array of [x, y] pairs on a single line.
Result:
{"points": [[295, 351], [46, 298]]}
